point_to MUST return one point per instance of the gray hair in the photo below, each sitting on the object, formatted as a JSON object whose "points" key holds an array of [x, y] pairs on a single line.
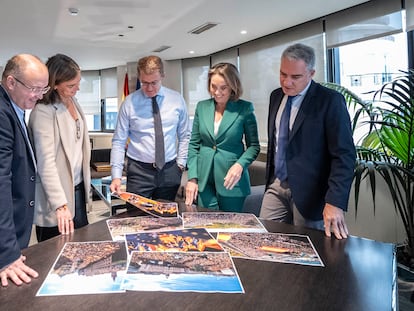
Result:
{"points": [[303, 52]]}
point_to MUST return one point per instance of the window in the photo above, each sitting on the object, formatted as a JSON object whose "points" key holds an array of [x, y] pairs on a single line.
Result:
{"points": [[109, 113], [89, 99], [195, 73], [98, 99], [260, 62], [366, 65], [356, 80], [109, 99]]}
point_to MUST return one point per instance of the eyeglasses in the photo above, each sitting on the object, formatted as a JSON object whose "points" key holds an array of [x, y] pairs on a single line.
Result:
{"points": [[34, 90], [78, 129], [153, 83]]}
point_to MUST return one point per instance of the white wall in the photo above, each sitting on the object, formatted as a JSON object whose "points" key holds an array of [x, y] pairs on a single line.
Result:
{"points": [[385, 225], [101, 140]]}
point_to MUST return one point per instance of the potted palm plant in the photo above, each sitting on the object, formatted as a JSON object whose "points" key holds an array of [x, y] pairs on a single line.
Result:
{"points": [[386, 150]]}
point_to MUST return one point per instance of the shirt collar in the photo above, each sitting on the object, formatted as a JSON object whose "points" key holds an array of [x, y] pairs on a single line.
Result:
{"points": [[19, 111], [305, 90]]}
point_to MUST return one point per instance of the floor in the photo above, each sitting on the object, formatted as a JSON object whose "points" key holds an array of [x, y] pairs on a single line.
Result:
{"points": [[100, 211]]}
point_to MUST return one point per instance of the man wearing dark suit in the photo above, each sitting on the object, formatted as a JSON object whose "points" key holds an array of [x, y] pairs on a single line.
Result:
{"points": [[24, 81], [309, 183]]}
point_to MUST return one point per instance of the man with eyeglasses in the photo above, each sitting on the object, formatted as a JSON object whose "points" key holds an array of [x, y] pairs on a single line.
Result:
{"points": [[24, 81], [151, 173]]}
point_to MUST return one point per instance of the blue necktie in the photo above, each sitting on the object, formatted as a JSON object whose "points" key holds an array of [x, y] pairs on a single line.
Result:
{"points": [[282, 142]]}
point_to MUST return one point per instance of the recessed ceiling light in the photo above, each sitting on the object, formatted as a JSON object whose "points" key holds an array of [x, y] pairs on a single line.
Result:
{"points": [[243, 32], [191, 52], [73, 11]]}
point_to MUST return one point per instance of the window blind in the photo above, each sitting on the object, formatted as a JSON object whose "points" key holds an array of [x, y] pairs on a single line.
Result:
{"points": [[369, 20]]}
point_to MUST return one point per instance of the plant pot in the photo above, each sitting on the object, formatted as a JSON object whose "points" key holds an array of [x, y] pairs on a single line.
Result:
{"points": [[405, 273]]}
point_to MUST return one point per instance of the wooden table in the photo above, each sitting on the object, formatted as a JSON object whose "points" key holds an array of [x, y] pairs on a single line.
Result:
{"points": [[359, 274]]}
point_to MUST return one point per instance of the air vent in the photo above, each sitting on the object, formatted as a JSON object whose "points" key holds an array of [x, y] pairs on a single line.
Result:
{"points": [[202, 28], [161, 48]]}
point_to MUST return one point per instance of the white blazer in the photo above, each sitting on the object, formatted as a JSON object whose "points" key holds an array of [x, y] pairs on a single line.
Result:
{"points": [[53, 142]]}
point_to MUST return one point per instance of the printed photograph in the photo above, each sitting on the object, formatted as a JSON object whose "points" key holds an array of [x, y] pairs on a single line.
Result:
{"points": [[185, 240], [151, 207], [223, 222], [122, 226], [87, 268], [210, 272], [279, 247]]}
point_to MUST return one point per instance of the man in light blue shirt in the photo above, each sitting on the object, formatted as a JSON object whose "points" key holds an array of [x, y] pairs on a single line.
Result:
{"points": [[136, 123]]}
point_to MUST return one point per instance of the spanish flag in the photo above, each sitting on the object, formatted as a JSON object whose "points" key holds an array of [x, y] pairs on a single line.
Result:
{"points": [[126, 87]]}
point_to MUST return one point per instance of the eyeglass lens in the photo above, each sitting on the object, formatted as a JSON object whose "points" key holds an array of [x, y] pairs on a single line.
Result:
{"points": [[34, 90]]}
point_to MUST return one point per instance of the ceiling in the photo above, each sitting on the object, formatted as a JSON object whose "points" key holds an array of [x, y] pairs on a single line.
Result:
{"points": [[100, 36]]}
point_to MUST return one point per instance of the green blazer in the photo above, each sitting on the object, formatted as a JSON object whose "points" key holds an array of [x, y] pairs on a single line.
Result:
{"points": [[236, 141]]}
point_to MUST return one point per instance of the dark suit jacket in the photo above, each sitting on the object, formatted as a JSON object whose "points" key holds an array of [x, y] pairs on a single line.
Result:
{"points": [[321, 154], [17, 184], [207, 151]]}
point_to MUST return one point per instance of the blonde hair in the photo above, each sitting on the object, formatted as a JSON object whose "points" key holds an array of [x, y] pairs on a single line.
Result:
{"points": [[150, 64]]}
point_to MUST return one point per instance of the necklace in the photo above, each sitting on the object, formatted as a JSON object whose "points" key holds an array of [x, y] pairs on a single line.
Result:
{"points": [[70, 106]]}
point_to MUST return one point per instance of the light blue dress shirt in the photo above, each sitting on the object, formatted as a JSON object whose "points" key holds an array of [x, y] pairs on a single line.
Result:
{"points": [[135, 120], [20, 114], [296, 103]]}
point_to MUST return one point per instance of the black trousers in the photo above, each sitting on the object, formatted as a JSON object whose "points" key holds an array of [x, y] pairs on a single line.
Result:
{"points": [[79, 220], [145, 180]]}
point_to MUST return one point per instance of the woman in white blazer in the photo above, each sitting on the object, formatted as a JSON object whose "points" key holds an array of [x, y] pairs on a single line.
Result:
{"points": [[60, 135]]}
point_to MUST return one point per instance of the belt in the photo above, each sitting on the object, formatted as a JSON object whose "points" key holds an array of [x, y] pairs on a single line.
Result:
{"points": [[79, 186], [151, 165]]}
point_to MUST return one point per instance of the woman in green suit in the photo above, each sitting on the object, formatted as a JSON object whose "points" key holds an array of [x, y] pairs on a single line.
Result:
{"points": [[224, 142]]}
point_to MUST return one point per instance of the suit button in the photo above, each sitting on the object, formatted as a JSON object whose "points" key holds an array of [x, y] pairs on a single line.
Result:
{"points": [[214, 147], [31, 203], [32, 178]]}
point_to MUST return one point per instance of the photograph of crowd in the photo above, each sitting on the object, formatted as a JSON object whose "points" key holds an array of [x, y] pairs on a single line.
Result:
{"points": [[279, 247], [118, 227], [223, 222]]}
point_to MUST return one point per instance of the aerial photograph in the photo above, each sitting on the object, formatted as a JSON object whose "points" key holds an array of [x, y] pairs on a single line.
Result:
{"points": [[178, 271], [279, 247], [87, 268]]}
